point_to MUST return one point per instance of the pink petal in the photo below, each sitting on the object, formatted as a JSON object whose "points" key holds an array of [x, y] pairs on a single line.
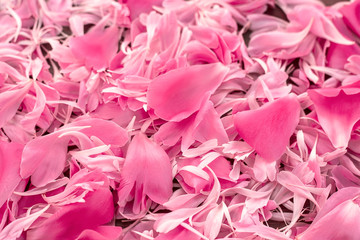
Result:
{"points": [[258, 127], [321, 26], [351, 16], [70, 220], [10, 101], [147, 168], [10, 156], [339, 217], [179, 93], [338, 111], [137, 7], [101, 233], [44, 157], [97, 47], [178, 233], [14, 230]]}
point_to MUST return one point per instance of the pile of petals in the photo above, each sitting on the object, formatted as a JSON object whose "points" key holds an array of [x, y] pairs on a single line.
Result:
{"points": [[179, 119]]}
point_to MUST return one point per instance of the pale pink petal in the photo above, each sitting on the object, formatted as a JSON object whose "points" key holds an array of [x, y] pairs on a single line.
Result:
{"points": [[274, 119], [179, 93]]}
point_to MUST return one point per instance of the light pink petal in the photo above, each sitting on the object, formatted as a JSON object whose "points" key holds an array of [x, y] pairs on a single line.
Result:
{"points": [[276, 119], [10, 157], [338, 111], [179, 93]]}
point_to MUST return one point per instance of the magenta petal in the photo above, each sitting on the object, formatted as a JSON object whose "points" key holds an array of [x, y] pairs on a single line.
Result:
{"points": [[269, 128], [179, 93], [337, 110]]}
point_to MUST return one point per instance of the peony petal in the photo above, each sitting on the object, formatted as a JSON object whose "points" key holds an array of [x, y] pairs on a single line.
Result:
{"points": [[339, 217], [97, 47], [10, 101], [275, 119], [10, 157], [179, 93], [337, 110], [72, 219], [101, 233], [147, 168]]}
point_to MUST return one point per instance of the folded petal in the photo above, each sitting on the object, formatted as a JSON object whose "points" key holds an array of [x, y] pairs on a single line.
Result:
{"points": [[269, 128], [179, 93]]}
